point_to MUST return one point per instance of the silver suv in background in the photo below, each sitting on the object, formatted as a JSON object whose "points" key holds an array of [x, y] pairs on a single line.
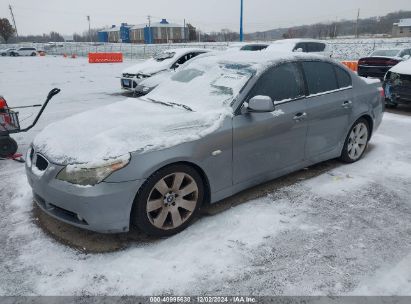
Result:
{"points": [[301, 46], [24, 51]]}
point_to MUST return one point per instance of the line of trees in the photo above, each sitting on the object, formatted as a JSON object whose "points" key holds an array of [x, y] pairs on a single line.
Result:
{"points": [[373, 25]]}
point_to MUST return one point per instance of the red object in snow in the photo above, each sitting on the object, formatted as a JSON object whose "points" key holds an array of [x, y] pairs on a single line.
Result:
{"points": [[4, 113], [3, 104]]}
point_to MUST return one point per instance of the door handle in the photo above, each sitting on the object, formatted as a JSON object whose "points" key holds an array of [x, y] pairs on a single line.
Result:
{"points": [[347, 104], [300, 116]]}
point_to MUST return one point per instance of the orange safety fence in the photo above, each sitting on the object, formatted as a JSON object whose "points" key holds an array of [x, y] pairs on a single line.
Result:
{"points": [[105, 57], [352, 65]]}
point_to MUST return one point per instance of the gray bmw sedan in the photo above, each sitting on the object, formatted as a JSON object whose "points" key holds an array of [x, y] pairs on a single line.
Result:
{"points": [[223, 123]]}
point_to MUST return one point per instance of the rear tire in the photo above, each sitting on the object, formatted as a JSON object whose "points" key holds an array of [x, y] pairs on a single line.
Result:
{"points": [[356, 142], [168, 201], [8, 147]]}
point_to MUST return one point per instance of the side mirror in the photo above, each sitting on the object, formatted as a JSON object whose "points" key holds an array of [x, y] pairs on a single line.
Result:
{"points": [[260, 104], [299, 50]]}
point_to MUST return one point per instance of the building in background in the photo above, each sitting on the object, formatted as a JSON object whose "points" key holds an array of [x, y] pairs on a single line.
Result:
{"points": [[115, 34], [159, 32], [402, 28]]}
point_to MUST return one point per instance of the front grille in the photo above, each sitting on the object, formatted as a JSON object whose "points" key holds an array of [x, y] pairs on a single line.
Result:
{"points": [[41, 163], [138, 76], [126, 75]]}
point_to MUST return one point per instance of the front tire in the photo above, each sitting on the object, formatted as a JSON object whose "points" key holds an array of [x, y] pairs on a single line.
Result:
{"points": [[8, 147], [168, 201], [356, 142]]}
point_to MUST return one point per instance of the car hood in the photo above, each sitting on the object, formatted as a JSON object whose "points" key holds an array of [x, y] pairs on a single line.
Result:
{"points": [[132, 125], [149, 67], [155, 80], [403, 67]]}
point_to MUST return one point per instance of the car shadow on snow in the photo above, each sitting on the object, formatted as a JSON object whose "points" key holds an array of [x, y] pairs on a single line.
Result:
{"points": [[402, 109], [92, 242]]}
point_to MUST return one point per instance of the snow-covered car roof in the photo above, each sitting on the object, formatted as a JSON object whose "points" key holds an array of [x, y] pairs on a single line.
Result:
{"points": [[152, 65], [403, 67], [288, 45]]}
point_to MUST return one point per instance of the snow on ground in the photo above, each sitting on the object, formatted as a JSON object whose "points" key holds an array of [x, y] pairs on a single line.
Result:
{"points": [[346, 231]]}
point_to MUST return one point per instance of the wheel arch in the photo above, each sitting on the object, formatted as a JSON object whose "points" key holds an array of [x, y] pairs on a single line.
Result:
{"points": [[370, 122], [199, 170]]}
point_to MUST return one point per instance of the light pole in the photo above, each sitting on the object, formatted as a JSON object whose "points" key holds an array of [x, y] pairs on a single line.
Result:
{"points": [[89, 28], [241, 21]]}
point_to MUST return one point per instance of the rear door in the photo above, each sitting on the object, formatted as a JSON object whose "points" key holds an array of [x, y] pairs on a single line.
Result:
{"points": [[267, 142], [329, 106]]}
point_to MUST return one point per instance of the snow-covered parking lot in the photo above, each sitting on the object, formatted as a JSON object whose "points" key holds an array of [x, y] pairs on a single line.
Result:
{"points": [[328, 230]]}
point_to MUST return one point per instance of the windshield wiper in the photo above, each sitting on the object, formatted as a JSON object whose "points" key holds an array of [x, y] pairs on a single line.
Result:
{"points": [[171, 104]]}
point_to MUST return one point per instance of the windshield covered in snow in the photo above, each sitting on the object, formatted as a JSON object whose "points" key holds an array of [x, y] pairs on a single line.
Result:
{"points": [[387, 53], [164, 55], [204, 84]]}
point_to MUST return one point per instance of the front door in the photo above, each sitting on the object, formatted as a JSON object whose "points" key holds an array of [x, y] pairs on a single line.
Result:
{"points": [[267, 142]]}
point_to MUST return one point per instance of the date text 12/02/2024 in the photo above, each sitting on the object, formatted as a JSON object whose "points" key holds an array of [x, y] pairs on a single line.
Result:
{"points": [[203, 299]]}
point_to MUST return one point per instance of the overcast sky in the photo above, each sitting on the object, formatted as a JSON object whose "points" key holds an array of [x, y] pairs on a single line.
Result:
{"points": [[68, 16]]}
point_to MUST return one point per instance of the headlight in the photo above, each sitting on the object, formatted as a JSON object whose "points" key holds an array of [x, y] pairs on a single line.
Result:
{"points": [[146, 89], [92, 173]]}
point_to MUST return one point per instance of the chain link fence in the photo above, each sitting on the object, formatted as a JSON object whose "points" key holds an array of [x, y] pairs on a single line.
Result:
{"points": [[342, 49]]}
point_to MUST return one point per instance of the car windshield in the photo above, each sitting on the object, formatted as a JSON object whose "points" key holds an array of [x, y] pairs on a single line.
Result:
{"points": [[204, 84], [163, 56], [388, 53]]}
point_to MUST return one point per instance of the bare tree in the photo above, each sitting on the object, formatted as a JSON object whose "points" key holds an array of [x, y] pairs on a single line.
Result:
{"points": [[6, 30]]}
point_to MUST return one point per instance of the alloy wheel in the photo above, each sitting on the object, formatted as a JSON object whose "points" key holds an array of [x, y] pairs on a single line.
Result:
{"points": [[357, 141], [172, 201]]}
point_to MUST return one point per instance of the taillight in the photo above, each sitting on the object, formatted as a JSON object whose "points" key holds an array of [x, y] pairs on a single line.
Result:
{"points": [[3, 103], [392, 62], [382, 93]]}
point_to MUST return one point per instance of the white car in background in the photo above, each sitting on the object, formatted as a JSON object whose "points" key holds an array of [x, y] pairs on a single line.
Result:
{"points": [[165, 61], [301, 45], [6, 52], [24, 51], [247, 46]]}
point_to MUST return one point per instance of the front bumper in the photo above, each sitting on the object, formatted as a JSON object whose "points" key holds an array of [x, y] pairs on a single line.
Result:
{"points": [[398, 94], [103, 208]]}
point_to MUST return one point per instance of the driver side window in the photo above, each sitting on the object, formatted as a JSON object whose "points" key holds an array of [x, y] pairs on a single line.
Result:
{"points": [[282, 83]]}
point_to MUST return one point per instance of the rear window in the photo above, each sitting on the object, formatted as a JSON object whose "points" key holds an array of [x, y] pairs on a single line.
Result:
{"points": [[313, 47], [387, 53], [254, 47], [320, 77], [343, 78]]}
